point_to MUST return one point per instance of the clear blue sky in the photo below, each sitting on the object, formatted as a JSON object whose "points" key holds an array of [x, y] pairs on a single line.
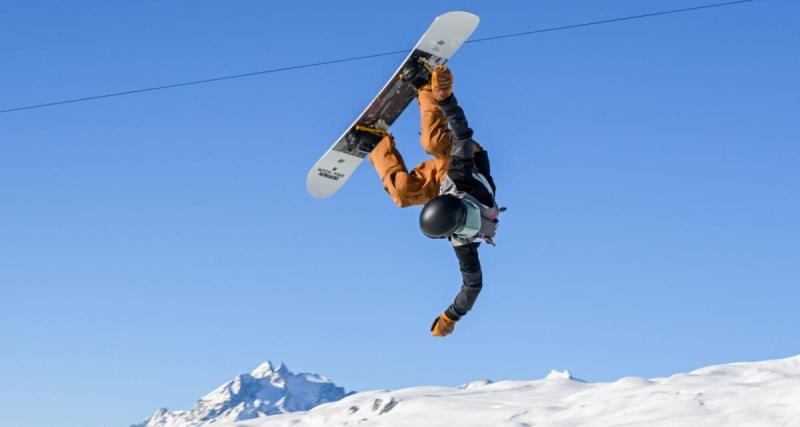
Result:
{"points": [[153, 246]]}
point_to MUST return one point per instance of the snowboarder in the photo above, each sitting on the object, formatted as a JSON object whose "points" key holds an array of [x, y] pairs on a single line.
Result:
{"points": [[455, 186]]}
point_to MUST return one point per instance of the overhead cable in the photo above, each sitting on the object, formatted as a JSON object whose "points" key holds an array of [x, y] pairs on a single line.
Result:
{"points": [[363, 57]]}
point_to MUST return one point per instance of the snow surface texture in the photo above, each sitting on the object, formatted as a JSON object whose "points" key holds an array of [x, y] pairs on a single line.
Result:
{"points": [[267, 390], [741, 394]]}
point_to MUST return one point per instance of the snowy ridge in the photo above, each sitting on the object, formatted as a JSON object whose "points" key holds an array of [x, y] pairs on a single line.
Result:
{"points": [[741, 394], [267, 390]]}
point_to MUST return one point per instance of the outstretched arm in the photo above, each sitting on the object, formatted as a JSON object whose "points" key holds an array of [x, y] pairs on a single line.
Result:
{"points": [[473, 281]]}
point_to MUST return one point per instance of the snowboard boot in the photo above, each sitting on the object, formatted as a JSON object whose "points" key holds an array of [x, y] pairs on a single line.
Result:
{"points": [[442, 326], [365, 138], [415, 73]]}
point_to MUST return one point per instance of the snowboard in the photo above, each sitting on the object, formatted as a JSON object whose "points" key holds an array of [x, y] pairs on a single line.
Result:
{"points": [[442, 39]]}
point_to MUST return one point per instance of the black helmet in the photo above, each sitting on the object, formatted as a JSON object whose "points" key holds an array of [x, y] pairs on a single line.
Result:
{"points": [[442, 216]]}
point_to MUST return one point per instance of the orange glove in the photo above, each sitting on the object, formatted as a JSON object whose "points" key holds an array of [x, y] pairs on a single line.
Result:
{"points": [[441, 83], [442, 326]]}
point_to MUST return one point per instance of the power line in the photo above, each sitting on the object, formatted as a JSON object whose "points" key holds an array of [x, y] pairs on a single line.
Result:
{"points": [[213, 79], [376, 55], [608, 21]]}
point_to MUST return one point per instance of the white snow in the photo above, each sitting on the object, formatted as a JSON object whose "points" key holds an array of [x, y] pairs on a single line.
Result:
{"points": [[741, 394], [559, 375]]}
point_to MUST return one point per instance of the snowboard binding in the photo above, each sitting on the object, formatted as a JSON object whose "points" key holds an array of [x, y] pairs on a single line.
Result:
{"points": [[416, 73], [365, 138]]}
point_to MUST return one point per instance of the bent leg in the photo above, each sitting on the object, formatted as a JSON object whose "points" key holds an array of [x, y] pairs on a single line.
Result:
{"points": [[405, 189]]}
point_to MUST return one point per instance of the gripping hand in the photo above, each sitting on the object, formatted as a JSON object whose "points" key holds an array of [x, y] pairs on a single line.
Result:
{"points": [[442, 83]]}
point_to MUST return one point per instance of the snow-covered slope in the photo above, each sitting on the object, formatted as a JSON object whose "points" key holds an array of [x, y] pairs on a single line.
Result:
{"points": [[742, 395], [267, 390]]}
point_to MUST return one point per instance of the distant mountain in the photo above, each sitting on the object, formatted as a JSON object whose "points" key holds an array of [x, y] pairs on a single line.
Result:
{"points": [[267, 390]]}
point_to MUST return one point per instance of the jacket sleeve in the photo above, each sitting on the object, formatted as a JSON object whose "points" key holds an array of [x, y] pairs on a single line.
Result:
{"points": [[461, 157], [472, 281]]}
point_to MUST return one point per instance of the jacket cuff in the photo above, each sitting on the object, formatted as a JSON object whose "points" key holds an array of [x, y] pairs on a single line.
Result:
{"points": [[452, 314]]}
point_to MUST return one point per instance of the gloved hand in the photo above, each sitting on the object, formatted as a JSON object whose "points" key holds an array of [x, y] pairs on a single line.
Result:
{"points": [[442, 83], [442, 326]]}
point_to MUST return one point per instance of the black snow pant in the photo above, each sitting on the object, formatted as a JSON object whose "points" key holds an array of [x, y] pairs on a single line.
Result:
{"points": [[473, 280]]}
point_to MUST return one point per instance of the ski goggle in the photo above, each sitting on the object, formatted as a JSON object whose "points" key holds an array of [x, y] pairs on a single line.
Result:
{"points": [[472, 224]]}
